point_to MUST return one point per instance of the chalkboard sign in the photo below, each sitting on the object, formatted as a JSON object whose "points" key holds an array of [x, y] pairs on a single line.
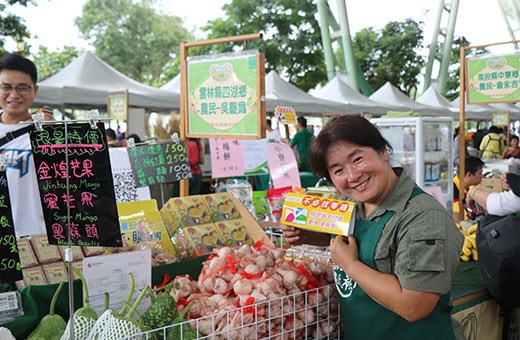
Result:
{"points": [[90, 199], [159, 163], [10, 267]]}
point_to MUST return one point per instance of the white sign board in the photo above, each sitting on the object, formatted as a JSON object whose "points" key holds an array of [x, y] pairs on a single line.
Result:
{"points": [[110, 273]]}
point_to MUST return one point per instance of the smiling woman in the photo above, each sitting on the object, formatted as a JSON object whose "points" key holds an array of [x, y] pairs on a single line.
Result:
{"points": [[393, 275]]}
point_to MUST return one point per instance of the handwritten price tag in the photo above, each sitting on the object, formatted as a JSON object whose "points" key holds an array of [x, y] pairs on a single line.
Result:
{"points": [[159, 163], [80, 184], [10, 267]]}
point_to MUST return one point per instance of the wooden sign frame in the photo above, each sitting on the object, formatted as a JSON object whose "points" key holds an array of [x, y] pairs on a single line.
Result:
{"points": [[462, 113], [115, 95], [184, 53]]}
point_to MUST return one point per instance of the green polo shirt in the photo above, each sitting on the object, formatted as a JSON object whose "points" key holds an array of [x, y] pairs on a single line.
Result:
{"points": [[420, 244], [302, 139]]}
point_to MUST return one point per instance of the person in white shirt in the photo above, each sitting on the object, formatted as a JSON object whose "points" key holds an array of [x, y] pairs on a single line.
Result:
{"points": [[498, 203], [273, 135], [18, 89]]}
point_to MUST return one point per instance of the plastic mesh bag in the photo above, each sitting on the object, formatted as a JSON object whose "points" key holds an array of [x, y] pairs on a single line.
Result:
{"points": [[82, 328], [5, 334], [108, 327]]}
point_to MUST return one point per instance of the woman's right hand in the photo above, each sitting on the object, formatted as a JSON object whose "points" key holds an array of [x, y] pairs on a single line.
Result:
{"points": [[294, 236]]}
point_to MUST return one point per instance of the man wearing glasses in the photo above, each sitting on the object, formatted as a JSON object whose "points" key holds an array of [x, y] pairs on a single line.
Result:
{"points": [[18, 89]]}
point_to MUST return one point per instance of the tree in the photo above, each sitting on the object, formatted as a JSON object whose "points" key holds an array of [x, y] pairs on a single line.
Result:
{"points": [[12, 26], [453, 81], [291, 36], [391, 54], [49, 63], [134, 37]]}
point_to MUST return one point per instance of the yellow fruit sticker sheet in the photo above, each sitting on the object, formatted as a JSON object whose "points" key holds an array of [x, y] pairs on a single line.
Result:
{"points": [[141, 223], [320, 214]]}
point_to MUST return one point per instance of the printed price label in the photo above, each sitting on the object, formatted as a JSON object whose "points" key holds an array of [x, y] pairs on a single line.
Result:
{"points": [[9, 303]]}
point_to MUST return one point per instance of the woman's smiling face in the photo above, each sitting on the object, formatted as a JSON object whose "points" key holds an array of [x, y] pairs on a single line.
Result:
{"points": [[359, 172]]}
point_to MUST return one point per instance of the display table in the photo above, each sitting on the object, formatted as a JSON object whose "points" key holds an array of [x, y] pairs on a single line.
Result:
{"points": [[473, 307], [37, 299]]}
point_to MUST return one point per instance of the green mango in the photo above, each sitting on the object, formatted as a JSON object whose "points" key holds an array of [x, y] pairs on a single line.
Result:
{"points": [[51, 326], [175, 332]]}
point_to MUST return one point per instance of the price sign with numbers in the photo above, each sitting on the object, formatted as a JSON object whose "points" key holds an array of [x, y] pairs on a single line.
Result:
{"points": [[10, 267], [159, 163]]}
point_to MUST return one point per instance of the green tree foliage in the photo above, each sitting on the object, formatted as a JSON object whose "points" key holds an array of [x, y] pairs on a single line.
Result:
{"points": [[49, 63], [291, 36], [391, 54], [453, 81], [134, 37], [12, 26]]}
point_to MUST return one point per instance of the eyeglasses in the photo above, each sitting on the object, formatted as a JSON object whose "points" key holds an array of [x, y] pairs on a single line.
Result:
{"points": [[21, 89]]}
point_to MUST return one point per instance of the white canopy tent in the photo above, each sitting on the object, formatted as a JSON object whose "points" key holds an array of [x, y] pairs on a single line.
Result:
{"points": [[87, 81], [173, 85], [339, 90], [388, 94], [483, 112], [433, 98], [514, 111], [278, 92]]}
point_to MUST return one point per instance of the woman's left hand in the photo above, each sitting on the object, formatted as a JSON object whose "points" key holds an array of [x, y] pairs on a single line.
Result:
{"points": [[344, 251]]}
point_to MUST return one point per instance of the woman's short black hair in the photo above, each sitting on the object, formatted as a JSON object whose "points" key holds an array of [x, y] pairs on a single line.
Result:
{"points": [[350, 129]]}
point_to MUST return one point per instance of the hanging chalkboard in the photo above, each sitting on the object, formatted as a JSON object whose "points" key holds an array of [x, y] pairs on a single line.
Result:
{"points": [[159, 163], [10, 267], [90, 199]]}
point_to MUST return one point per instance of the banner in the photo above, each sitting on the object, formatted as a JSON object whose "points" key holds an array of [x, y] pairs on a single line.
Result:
{"points": [[117, 105], [493, 79], [224, 96], [282, 165], [227, 157]]}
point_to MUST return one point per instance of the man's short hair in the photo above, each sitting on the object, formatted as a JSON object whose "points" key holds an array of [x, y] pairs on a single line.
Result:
{"points": [[15, 62], [472, 165], [110, 133], [302, 121]]}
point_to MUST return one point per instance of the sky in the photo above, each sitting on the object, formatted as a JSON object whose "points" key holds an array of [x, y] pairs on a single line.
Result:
{"points": [[480, 21]]}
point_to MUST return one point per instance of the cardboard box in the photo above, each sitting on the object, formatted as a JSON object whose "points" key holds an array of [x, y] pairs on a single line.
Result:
{"points": [[222, 207], [491, 184], [26, 252], [33, 276], [92, 251], [45, 252], [78, 265], [55, 272], [234, 232]]}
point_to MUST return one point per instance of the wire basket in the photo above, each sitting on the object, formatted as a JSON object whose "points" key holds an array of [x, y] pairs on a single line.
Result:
{"points": [[311, 314]]}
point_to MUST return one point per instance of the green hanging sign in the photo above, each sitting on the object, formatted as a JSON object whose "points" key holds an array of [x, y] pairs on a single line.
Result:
{"points": [[225, 96], [493, 79]]}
